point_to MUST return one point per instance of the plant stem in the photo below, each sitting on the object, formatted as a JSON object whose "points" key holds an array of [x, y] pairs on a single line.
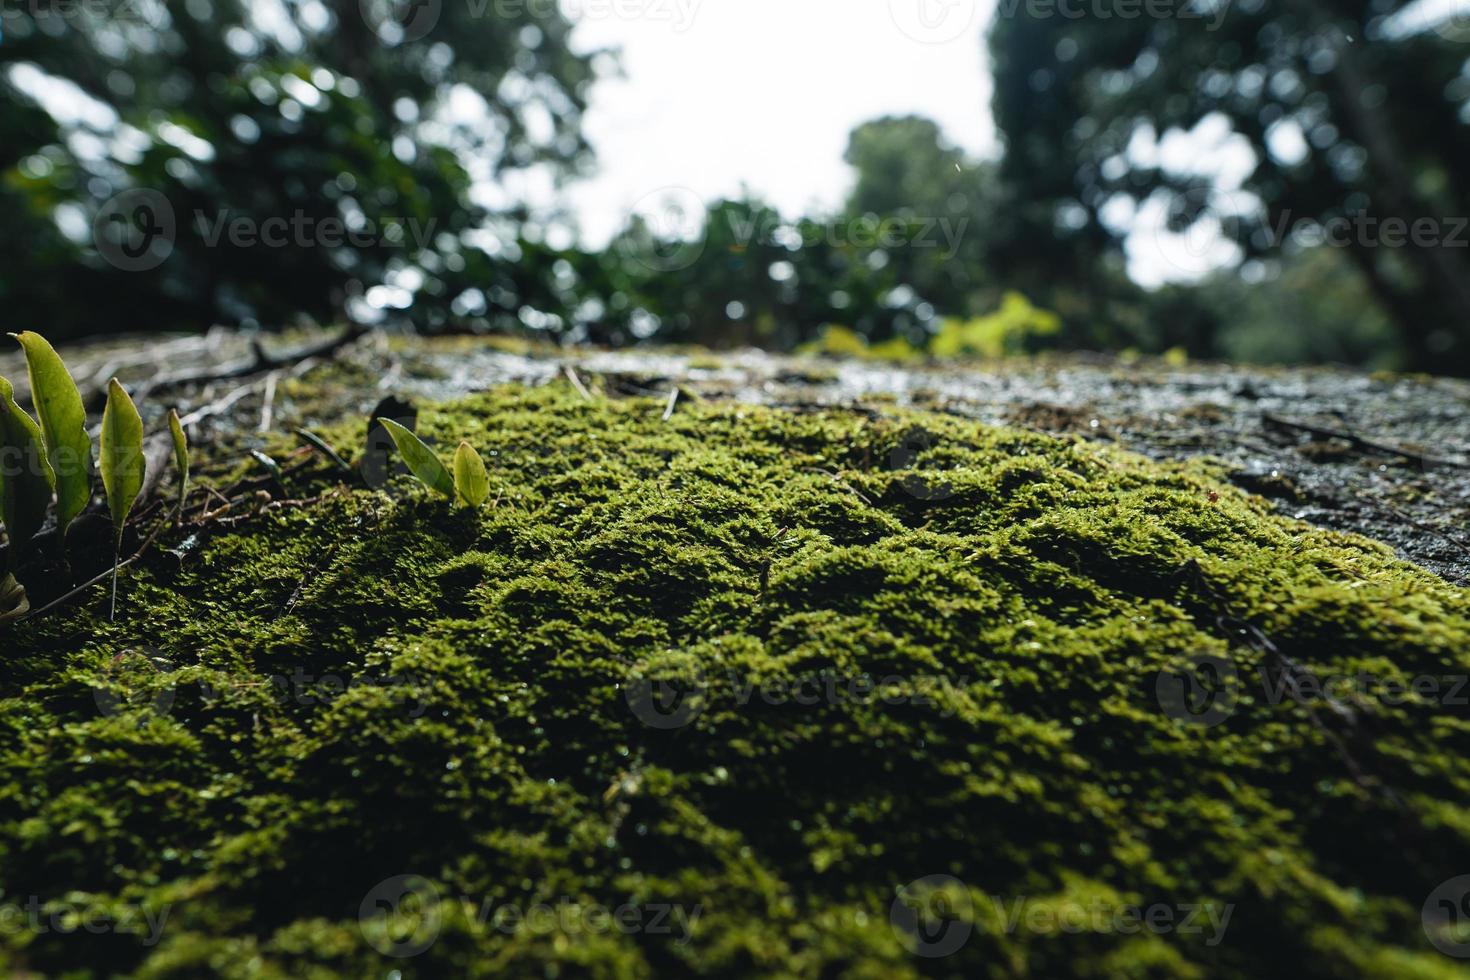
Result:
{"points": [[112, 613]]}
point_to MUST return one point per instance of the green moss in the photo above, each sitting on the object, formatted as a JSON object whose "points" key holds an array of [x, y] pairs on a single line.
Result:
{"points": [[382, 685]]}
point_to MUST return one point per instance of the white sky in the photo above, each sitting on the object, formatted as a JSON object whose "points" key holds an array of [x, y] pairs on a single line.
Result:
{"points": [[720, 93], [723, 94]]}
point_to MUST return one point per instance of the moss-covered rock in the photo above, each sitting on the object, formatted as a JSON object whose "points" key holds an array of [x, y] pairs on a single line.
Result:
{"points": [[728, 693]]}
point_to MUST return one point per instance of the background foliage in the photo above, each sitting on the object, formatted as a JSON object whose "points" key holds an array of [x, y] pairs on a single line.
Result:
{"points": [[415, 135]]}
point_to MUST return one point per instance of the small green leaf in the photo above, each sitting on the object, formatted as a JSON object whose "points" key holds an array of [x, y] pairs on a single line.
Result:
{"points": [[271, 466], [323, 447], [26, 479], [122, 454], [471, 482], [64, 425], [421, 460], [181, 454], [13, 601]]}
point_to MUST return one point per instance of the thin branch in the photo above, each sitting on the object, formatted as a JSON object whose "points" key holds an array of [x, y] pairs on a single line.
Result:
{"points": [[260, 361], [216, 407], [1357, 441], [571, 373], [100, 577], [268, 403]]}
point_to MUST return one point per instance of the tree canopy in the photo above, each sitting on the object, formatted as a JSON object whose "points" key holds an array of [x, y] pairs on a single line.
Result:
{"points": [[1354, 114], [255, 162]]}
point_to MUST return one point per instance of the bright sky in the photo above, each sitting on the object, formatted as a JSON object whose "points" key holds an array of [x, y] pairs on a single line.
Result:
{"points": [[720, 93]]}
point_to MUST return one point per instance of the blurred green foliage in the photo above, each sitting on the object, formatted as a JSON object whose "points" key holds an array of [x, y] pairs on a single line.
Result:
{"points": [[997, 334], [1356, 115], [381, 144], [294, 123]]}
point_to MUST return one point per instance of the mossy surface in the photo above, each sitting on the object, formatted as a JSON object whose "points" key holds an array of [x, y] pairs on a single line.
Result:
{"points": [[380, 685]]}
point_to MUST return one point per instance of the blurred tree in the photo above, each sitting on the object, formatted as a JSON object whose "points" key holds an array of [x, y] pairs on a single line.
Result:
{"points": [[1315, 308], [945, 212], [223, 161], [720, 284], [996, 334], [916, 244], [1002, 240], [1357, 119]]}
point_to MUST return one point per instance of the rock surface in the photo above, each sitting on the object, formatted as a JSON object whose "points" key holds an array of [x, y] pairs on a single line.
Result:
{"points": [[777, 676]]}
